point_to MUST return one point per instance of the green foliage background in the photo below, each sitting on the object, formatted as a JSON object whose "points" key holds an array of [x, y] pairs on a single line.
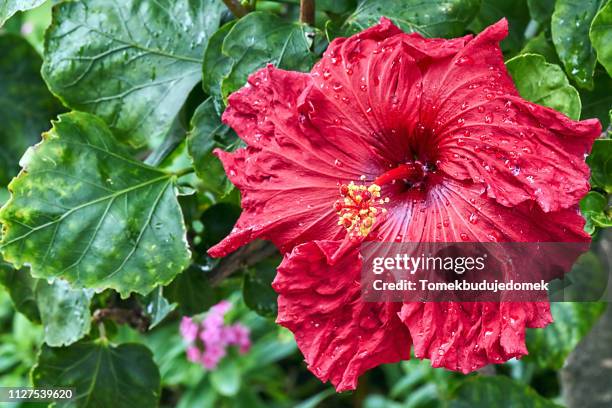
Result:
{"points": [[105, 237]]}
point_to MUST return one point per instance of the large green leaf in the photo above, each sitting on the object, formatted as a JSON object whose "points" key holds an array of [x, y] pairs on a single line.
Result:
{"points": [[262, 38], [216, 66], [570, 33], [10, 7], [64, 312], [207, 133], [499, 392], [103, 375], [20, 286], [131, 62], [550, 346], [544, 83], [601, 36], [26, 106], [600, 162], [432, 18], [83, 211]]}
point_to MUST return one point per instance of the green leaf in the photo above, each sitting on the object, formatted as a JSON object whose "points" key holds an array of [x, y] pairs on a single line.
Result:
{"points": [[600, 162], [541, 10], [20, 286], [257, 288], [544, 83], [64, 312], [434, 18], [601, 36], [103, 375], [570, 33], [131, 62], [82, 210], [226, 378], [157, 307], [10, 7], [216, 66], [593, 207], [207, 133], [517, 14], [263, 38], [541, 44], [192, 291], [26, 106], [550, 346], [500, 392]]}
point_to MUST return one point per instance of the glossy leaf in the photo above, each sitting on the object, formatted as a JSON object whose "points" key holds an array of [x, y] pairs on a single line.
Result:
{"points": [[544, 84], [263, 38], [570, 33], [20, 286], [103, 375], [501, 392], [26, 106], [601, 36], [84, 211], [550, 346], [600, 162], [10, 7], [435, 18], [216, 66], [64, 312], [132, 62], [207, 133]]}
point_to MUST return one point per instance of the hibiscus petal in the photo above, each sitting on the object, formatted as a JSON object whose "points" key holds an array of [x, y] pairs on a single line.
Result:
{"points": [[340, 335], [456, 211], [288, 175], [521, 151], [366, 88], [475, 124], [467, 336]]}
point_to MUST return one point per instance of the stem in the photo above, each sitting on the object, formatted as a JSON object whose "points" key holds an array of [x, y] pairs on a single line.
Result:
{"points": [[236, 7], [246, 256], [102, 330], [307, 12]]}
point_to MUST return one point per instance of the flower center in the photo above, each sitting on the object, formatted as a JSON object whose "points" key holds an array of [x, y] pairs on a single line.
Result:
{"points": [[360, 205]]}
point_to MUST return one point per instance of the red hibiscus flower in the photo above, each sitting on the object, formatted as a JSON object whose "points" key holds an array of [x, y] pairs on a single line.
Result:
{"points": [[395, 137]]}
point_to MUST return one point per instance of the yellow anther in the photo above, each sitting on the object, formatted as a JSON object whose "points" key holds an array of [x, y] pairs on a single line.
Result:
{"points": [[358, 208]]}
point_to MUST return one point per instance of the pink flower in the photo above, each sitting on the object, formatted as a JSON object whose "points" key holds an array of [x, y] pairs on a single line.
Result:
{"points": [[189, 329], [214, 336]]}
